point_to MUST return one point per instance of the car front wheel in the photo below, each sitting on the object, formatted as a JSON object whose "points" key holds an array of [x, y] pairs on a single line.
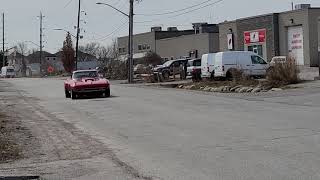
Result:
{"points": [[166, 75], [67, 93], [107, 93], [73, 95]]}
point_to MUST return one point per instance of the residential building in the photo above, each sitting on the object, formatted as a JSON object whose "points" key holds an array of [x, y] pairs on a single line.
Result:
{"points": [[85, 61]]}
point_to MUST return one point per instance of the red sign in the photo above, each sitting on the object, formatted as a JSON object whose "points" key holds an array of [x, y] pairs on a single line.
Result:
{"points": [[50, 69], [257, 36]]}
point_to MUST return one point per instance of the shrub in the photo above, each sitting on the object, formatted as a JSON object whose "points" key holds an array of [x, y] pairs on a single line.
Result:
{"points": [[116, 70], [283, 73], [237, 75]]}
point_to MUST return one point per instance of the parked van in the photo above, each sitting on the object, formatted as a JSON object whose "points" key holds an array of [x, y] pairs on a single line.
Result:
{"points": [[7, 72], [248, 62], [207, 65]]}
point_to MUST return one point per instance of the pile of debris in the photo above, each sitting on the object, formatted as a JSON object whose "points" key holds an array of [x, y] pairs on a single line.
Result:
{"points": [[231, 89]]}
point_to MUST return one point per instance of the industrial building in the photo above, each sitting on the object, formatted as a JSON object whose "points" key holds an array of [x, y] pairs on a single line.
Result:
{"points": [[293, 33], [173, 43]]}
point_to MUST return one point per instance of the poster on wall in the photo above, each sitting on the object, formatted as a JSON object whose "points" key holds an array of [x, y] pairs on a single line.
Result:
{"points": [[295, 44], [256, 36], [230, 41]]}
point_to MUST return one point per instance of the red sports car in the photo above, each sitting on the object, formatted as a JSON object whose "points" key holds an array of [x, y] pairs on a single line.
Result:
{"points": [[86, 82]]}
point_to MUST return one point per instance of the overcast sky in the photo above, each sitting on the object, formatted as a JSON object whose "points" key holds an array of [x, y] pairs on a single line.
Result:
{"points": [[102, 24]]}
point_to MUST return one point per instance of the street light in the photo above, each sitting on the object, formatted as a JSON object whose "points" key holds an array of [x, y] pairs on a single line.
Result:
{"points": [[130, 49], [59, 29], [100, 3], [77, 42]]}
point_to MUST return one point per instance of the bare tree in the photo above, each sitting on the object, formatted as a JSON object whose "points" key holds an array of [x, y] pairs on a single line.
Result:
{"points": [[67, 58], [90, 48], [100, 51], [152, 58], [22, 49]]}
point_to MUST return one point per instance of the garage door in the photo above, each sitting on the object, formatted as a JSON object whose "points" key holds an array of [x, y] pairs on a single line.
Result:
{"points": [[295, 43]]}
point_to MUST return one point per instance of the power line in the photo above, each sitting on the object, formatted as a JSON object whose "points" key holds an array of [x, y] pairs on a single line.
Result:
{"points": [[113, 32], [187, 12], [117, 2], [176, 11], [68, 3]]}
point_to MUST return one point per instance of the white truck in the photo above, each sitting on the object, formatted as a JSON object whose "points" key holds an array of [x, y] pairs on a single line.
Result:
{"points": [[248, 62], [8, 72], [207, 65]]}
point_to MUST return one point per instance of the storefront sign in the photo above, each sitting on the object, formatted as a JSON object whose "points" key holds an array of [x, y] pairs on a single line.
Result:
{"points": [[230, 41], [295, 44], [257, 36]]}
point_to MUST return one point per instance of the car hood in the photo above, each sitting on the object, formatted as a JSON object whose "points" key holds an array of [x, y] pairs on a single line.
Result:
{"points": [[159, 67]]}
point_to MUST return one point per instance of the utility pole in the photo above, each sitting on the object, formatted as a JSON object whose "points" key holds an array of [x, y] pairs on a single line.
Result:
{"points": [[130, 40], [78, 34], [3, 39], [41, 41], [292, 6], [130, 69]]}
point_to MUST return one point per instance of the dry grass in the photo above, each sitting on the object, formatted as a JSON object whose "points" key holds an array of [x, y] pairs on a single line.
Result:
{"points": [[285, 73], [8, 148]]}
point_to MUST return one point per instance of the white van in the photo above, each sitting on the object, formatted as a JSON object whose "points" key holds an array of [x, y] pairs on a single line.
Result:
{"points": [[248, 62], [7, 72], [207, 65]]}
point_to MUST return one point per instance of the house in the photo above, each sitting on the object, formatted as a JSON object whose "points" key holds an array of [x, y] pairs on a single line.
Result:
{"points": [[85, 61]]}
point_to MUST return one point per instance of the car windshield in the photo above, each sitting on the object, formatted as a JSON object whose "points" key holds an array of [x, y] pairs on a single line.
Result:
{"points": [[257, 60], [197, 62], [10, 70], [190, 63], [85, 74], [168, 63]]}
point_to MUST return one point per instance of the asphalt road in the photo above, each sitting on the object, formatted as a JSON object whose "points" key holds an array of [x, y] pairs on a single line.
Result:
{"points": [[176, 134]]}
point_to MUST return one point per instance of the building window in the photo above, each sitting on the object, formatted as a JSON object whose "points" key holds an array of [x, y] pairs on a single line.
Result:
{"points": [[142, 47], [122, 50]]}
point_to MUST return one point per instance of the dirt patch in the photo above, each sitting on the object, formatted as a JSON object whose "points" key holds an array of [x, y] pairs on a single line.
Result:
{"points": [[9, 149]]}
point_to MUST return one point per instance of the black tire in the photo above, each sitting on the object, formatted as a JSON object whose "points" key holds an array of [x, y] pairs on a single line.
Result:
{"points": [[73, 95], [212, 76], [107, 93], [67, 93], [166, 75], [229, 75]]}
